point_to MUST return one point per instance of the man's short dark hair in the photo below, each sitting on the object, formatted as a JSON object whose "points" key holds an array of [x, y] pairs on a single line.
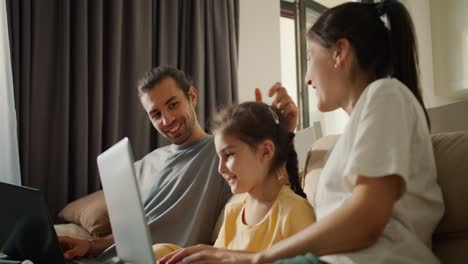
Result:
{"points": [[156, 75]]}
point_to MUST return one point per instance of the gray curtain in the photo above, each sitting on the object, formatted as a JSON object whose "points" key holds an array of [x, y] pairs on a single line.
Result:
{"points": [[75, 69], [201, 38], [75, 65]]}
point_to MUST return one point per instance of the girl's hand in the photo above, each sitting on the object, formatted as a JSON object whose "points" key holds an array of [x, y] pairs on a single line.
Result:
{"points": [[283, 102], [208, 254]]}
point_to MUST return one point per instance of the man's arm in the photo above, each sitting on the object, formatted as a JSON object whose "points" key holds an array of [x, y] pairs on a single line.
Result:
{"points": [[75, 247], [98, 245]]}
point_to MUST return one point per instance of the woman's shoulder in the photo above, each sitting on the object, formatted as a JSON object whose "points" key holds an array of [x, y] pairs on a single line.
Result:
{"points": [[388, 89], [387, 94]]}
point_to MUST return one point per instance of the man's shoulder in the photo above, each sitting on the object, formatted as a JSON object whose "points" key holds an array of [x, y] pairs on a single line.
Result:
{"points": [[164, 150], [205, 148]]}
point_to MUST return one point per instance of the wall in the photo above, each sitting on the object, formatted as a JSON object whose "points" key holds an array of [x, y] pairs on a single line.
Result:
{"points": [[260, 61], [259, 46], [331, 3], [420, 11], [260, 55], [450, 47]]}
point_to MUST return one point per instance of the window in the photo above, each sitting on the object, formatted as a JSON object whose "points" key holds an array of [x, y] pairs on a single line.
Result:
{"points": [[297, 16]]}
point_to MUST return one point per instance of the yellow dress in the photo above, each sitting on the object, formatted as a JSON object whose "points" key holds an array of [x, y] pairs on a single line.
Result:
{"points": [[289, 214]]}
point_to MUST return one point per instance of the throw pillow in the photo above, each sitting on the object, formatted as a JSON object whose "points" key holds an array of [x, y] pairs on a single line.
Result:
{"points": [[90, 212]]}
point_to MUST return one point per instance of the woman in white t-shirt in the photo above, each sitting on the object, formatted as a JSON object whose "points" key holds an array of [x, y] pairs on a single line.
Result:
{"points": [[377, 199]]}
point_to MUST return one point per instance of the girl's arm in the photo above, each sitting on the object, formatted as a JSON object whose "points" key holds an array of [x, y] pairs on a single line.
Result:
{"points": [[355, 225]]}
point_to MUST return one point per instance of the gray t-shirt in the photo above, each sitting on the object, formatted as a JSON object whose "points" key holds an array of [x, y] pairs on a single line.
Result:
{"points": [[182, 192]]}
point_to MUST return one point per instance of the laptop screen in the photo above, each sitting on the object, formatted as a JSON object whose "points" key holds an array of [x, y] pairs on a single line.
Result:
{"points": [[26, 231]]}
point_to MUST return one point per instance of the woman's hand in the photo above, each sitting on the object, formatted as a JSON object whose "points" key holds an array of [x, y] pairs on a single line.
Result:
{"points": [[283, 102], [208, 254]]}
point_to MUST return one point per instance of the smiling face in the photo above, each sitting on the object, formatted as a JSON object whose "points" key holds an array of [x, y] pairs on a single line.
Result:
{"points": [[323, 76], [172, 112], [242, 166]]}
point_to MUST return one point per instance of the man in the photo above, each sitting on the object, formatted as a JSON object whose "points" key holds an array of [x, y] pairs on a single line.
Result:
{"points": [[181, 188]]}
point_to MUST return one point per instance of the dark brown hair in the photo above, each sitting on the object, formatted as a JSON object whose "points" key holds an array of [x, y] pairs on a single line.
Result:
{"points": [[380, 51], [156, 75], [253, 122]]}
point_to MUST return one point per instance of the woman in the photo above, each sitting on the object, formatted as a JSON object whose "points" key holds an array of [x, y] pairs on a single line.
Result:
{"points": [[377, 199]]}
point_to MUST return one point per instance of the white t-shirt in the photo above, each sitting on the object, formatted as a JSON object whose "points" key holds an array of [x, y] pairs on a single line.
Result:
{"points": [[386, 134]]}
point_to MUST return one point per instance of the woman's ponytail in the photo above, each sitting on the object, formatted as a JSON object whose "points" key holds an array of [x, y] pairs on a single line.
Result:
{"points": [[403, 47]]}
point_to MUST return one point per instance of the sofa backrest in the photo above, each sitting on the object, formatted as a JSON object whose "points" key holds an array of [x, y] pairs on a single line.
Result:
{"points": [[450, 240]]}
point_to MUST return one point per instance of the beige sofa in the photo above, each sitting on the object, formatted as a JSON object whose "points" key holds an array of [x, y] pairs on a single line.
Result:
{"points": [[450, 240]]}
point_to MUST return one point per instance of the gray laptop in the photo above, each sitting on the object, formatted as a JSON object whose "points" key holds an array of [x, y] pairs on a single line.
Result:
{"points": [[129, 226]]}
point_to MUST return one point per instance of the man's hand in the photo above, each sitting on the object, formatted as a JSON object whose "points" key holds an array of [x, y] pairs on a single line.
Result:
{"points": [[74, 247], [283, 102]]}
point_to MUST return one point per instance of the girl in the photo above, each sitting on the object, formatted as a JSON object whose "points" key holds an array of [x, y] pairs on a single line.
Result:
{"points": [[254, 146], [377, 199]]}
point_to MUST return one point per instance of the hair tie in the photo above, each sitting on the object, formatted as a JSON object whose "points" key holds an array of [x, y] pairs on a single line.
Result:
{"points": [[380, 9], [383, 5]]}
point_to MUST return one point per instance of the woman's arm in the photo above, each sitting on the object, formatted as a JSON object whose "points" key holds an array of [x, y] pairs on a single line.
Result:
{"points": [[355, 225]]}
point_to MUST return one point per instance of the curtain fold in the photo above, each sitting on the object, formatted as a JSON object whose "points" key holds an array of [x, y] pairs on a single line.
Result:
{"points": [[75, 70], [9, 157], [76, 65], [201, 38]]}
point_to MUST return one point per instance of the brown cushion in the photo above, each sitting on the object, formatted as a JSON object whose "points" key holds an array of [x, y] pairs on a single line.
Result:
{"points": [[451, 154], [72, 230], [90, 212]]}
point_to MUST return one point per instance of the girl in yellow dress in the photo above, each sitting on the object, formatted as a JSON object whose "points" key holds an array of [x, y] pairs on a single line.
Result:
{"points": [[256, 152]]}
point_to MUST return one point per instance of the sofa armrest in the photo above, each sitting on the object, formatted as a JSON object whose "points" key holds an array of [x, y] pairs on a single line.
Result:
{"points": [[315, 161]]}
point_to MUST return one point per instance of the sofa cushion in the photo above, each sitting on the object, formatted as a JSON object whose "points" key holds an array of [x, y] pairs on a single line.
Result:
{"points": [[90, 212], [451, 154], [72, 230]]}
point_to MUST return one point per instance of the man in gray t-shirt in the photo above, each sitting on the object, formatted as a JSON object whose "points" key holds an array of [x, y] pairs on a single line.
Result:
{"points": [[188, 194], [182, 191]]}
